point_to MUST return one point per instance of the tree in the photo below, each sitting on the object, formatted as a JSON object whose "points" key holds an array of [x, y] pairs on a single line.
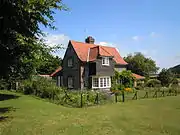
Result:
{"points": [[20, 34], [122, 80], [141, 65], [48, 65], [166, 77]]}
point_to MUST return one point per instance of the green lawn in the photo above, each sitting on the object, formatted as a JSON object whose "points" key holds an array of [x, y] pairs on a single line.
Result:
{"points": [[30, 116]]}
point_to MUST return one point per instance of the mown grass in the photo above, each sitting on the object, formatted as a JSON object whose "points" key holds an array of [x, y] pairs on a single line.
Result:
{"points": [[26, 115]]}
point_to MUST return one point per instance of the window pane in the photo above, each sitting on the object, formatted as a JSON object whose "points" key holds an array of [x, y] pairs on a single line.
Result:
{"points": [[70, 62], [70, 82], [103, 60], [95, 82], [108, 81], [101, 82], [105, 82]]}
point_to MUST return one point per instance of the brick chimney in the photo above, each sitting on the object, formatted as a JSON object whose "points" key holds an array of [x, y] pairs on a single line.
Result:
{"points": [[90, 40]]}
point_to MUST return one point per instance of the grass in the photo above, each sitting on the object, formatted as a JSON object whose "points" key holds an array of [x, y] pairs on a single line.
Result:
{"points": [[26, 115]]}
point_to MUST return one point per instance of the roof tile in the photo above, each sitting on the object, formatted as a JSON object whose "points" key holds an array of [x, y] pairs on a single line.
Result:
{"points": [[82, 52]]}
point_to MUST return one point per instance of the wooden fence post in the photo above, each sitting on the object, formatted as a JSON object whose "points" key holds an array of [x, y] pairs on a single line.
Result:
{"points": [[97, 98], [87, 97], [123, 98], [135, 96], [53, 95], [162, 93], [116, 97], [175, 92], [146, 95], [81, 100], [155, 94], [169, 93]]}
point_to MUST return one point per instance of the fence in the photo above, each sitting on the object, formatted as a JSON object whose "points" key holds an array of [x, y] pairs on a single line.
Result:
{"points": [[84, 99], [142, 94]]}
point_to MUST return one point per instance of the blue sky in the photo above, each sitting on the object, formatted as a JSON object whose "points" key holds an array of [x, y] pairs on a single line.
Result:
{"points": [[148, 26]]}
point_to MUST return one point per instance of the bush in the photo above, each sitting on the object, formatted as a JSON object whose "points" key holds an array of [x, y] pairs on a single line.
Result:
{"points": [[89, 98], [41, 87], [27, 87], [3, 84], [153, 83], [175, 83]]}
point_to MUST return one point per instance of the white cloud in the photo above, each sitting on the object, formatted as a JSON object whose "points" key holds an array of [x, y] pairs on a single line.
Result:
{"points": [[55, 39], [154, 34], [106, 44], [136, 38]]}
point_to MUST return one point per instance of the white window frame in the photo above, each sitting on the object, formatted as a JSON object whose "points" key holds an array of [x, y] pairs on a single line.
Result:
{"points": [[93, 85], [105, 61], [103, 82], [70, 62], [58, 81], [70, 81], [61, 78]]}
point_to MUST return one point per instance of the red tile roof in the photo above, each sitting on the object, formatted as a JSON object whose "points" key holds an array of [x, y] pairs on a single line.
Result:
{"points": [[56, 71], [82, 50], [138, 77], [104, 52], [93, 53]]}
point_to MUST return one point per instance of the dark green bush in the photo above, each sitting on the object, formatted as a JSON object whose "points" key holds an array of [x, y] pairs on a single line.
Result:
{"points": [[27, 87], [3, 84], [41, 87], [153, 83], [175, 83], [47, 89]]}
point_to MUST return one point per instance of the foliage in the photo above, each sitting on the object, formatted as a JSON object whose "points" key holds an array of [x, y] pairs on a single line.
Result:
{"points": [[47, 89], [153, 83], [128, 89], [48, 64], [141, 65], [175, 83], [41, 87], [21, 35], [122, 80], [166, 77], [89, 98], [3, 84]]}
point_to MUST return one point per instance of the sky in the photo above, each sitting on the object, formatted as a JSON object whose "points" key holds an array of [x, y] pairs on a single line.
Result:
{"points": [[148, 26]]}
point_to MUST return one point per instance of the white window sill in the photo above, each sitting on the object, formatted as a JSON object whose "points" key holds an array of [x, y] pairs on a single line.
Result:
{"points": [[101, 87]]}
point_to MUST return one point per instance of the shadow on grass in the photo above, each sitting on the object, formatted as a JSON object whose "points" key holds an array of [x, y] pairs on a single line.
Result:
{"points": [[4, 110], [7, 97], [4, 118]]}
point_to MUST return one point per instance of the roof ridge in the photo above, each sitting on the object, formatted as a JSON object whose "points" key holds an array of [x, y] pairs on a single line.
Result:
{"points": [[93, 44]]}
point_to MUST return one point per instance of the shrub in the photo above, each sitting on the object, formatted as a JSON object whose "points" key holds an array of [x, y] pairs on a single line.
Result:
{"points": [[175, 83], [41, 87], [166, 77], [27, 87], [153, 83], [3, 84]]}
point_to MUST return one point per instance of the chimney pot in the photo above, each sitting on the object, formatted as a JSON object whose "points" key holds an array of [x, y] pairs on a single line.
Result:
{"points": [[90, 40]]}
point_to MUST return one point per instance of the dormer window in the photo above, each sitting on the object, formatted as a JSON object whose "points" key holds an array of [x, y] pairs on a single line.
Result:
{"points": [[70, 62], [105, 61]]}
